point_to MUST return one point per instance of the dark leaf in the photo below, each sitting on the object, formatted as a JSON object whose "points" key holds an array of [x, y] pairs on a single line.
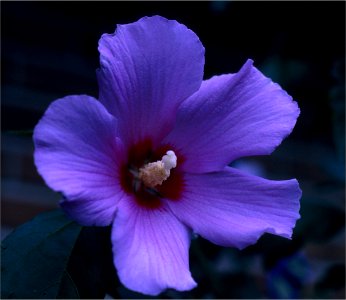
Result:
{"points": [[35, 256], [288, 276], [67, 289], [319, 222], [91, 264], [332, 282], [27, 132]]}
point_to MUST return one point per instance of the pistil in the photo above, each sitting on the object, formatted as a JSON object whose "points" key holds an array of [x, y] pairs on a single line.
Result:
{"points": [[155, 173]]}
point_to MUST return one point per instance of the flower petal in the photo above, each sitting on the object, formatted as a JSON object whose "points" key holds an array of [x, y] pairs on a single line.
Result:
{"points": [[77, 153], [230, 208], [232, 116], [150, 249], [147, 69]]}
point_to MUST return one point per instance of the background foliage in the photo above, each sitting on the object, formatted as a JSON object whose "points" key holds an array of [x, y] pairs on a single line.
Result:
{"points": [[49, 50]]}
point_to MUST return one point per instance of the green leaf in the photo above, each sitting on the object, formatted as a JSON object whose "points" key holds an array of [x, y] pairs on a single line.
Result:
{"points": [[34, 258]]}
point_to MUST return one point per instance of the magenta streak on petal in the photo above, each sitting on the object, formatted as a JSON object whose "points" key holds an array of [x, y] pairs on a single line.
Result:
{"points": [[138, 155]]}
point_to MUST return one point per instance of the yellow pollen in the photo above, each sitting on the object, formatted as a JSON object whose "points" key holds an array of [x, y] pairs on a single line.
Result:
{"points": [[153, 174]]}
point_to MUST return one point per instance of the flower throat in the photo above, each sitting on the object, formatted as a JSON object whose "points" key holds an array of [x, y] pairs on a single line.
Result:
{"points": [[151, 175]]}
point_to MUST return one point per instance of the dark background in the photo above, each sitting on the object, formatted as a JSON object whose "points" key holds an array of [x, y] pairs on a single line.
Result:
{"points": [[49, 50]]}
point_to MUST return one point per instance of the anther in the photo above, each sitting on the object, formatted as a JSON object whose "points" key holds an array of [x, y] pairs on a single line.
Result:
{"points": [[155, 173]]}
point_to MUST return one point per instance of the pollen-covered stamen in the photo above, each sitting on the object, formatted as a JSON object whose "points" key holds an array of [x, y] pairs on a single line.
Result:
{"points": [[153, 174]]}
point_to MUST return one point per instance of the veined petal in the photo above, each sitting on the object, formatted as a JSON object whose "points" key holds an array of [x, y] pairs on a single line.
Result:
{"points": [[77, 153], [230, 208], [147, 69], [150, 249], [232, 116]]}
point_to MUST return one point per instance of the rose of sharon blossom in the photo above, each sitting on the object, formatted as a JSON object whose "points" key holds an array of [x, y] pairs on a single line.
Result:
{"points": [[150, 156]]}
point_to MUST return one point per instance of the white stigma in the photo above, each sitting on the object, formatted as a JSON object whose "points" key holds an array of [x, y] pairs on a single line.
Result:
{"points": [[169, 160], [153, 174]]}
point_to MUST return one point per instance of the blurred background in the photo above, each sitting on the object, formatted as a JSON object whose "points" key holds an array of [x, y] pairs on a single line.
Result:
{"points": [[49, 50]]}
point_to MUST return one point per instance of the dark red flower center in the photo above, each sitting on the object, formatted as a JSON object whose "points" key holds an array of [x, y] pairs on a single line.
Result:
{"points": [[139, 155]]}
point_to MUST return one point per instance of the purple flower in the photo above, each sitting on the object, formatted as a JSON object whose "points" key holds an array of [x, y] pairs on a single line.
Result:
{"points": [[150, 157]]}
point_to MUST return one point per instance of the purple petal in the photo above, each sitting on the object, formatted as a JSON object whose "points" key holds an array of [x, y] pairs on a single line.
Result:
{"points": [[230, 208], [150, 249], [232, 116], [77, 153], [147, 69]]}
